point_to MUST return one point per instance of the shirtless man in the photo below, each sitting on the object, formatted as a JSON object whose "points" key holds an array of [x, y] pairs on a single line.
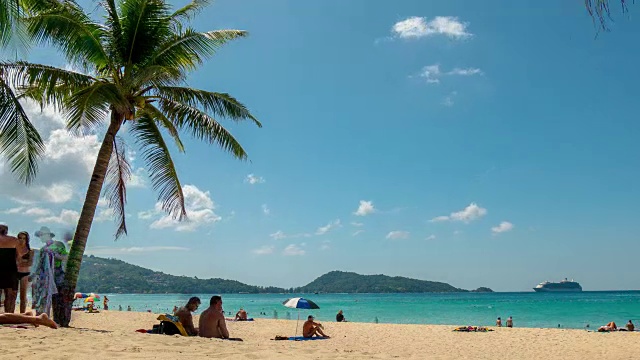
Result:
{"points": [[212, 323], [241, 315], [499, 322], [17, 319], [9, 271], [510, 322], [186, 319], [311, 328]]}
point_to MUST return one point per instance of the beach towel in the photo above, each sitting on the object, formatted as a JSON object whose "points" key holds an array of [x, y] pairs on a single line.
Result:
{"points": [[302, 338]]}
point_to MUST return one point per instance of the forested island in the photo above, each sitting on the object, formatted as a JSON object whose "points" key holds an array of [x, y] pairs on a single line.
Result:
{"points": [[102, 275]]}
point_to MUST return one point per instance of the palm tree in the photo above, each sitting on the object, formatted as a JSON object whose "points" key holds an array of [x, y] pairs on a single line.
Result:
{"points": [[134, 65]]}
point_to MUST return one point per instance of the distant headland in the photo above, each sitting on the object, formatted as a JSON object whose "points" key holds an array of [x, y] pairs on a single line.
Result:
{"points": [[116, 276]]}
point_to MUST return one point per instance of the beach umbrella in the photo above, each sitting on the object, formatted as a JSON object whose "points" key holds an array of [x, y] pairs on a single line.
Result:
{"points": [[95, 296], [89, 299], [300, 303]]}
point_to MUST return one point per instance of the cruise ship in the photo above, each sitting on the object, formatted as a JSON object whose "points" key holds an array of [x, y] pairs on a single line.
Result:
{"points": [[562, 286]]}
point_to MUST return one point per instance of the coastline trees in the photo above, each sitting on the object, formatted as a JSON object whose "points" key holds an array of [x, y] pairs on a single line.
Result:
{"points": [[133, 78]]}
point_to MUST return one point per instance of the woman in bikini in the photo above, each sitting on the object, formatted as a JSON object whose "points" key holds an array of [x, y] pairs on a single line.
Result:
{"points": [[24, 268]]}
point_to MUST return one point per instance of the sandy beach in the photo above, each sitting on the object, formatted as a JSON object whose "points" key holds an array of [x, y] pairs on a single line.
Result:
{"points": [[111, 334]]}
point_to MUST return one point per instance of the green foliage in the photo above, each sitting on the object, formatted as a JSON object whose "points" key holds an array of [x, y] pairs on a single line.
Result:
{"points": [[349, 282], [116, 276]]}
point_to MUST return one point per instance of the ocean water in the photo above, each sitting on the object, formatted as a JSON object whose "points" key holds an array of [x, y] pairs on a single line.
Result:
{"points": [[540, 310]]}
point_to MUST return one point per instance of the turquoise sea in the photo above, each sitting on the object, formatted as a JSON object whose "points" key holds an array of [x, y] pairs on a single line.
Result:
{"points": [[545, 310]]}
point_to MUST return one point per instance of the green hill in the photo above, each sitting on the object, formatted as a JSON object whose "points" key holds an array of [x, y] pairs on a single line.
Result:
{"points": [[116, 276], [349, 282]]}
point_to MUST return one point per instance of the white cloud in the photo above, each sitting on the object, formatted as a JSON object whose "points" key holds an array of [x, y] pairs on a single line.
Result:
{"points": [[398, 234], [358, 224], [465, 72], [433, 74], [466, 215], [103, 250], [200, 212], [457, 232], [265, 250], [104, 214], [448, 100], [503, 227], [293, 250], [265, 209], [252, 179], [431, 237], [66, 217], [365, 208], [325, 229], [65, 167], [418, 27], [279, 235], [326, 245], [357, 232], [29, 211]]}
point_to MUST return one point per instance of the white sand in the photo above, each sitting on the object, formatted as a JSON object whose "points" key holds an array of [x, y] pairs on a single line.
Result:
{"points": [[110, 334]]}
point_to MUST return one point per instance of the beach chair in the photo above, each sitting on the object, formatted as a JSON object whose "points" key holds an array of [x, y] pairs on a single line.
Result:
{"points": [[170, 325]]}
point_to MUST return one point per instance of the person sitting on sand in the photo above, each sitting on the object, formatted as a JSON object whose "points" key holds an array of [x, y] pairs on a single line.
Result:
{"points": [[27, 318], [186, 319], [241, 315], [510, 322], [311, 328], [499, 322], [212, 322], [630, 326], [340, 317]]}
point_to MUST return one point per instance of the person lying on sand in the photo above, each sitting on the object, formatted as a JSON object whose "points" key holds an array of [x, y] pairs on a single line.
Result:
{"points": [[609, 327], [27, 318], [241, 315], [186, 319], [311, 328], [212, 322]]}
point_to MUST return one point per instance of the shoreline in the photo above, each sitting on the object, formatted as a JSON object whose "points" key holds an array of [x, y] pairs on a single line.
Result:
{"points": [[112, 334]]}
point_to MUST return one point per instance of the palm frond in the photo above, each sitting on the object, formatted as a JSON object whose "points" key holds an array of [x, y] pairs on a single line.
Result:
{"points": [[219, 104], [163, 121], [600, 11], [118, 174], [66, 26], [47, 85], [20, 142], [117, 46], [145, 24], [147, 77], [9, 17], [160, 166], [188, 11], [88, 107], [202, 126], [190, 48]]}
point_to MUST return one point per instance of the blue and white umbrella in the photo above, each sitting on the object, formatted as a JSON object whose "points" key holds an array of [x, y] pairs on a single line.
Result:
{"points": [[300, 303]]}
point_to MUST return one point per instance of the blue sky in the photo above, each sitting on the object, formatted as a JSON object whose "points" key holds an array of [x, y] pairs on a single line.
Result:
{"points": [[481, 144]]}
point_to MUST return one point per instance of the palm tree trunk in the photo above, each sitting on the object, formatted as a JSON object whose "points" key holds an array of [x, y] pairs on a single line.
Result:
{"points": [[64, 300]]}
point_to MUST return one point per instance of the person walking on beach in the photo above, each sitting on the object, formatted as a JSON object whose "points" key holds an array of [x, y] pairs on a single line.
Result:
{"points": [[510, 322], [311, 328], [212, 322], [186, 319], [499, 322], [105, 302]]}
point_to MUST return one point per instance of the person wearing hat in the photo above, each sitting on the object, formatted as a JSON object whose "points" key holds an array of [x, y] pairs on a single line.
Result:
{"points": [[311, 328], [49, 273]]}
